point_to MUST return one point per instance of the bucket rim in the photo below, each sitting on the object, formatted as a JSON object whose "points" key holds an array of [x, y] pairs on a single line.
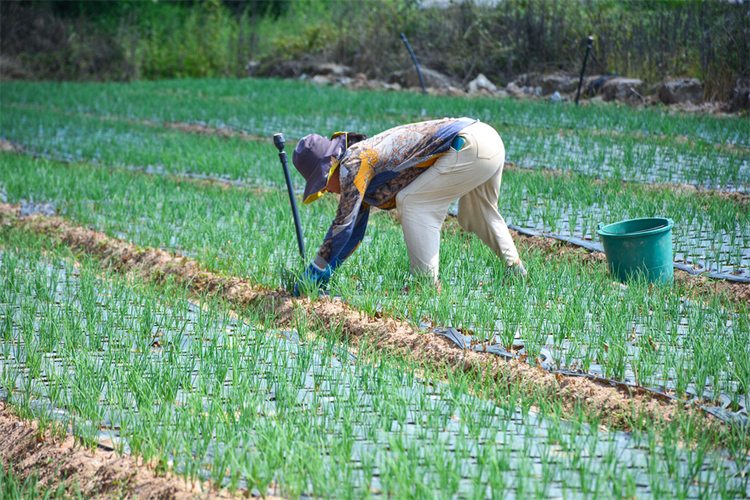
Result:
{"points": [[668, 224]]}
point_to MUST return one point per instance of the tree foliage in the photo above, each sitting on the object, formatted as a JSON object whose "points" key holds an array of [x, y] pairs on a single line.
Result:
{"points": [[649, 39]]}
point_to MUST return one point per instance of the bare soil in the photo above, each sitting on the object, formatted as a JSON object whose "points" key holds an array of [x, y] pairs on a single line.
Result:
{"points": [[99, 472], [195, 128], [8, 146]]}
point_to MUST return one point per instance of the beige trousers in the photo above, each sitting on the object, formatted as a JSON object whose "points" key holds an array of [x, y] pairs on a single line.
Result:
{"points": [[472, 175]]}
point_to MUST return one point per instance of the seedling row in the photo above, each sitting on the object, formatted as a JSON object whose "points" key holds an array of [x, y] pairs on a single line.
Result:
{"points": [[632, 160], [267, 106], [253, 408], [112, 141], [588, 324], [294, 413], [712, 236]]}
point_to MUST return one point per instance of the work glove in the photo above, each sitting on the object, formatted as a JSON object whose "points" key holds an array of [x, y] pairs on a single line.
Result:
{"points": [[313, 275], [518, 270]]}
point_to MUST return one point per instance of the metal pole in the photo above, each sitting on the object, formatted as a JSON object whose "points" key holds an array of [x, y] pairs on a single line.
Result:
{"points": [[279, 142], [589, 41], [414, 58]]}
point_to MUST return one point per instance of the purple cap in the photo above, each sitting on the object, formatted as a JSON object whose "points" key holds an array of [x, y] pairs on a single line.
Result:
{"points": [[313, 158]]}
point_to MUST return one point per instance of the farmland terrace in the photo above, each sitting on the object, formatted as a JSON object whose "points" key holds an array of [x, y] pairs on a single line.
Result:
{"points": [[147, 253]]}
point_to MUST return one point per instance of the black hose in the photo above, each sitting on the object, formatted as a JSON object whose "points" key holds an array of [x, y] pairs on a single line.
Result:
{"points": [[414, 58], [589, 41]]}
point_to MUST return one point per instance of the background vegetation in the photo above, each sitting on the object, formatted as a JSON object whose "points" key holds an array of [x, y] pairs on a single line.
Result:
{"points": [[128, 40]]}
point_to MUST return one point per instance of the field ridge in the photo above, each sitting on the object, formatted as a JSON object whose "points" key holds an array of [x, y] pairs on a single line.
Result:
{"points": [[32, 451]]}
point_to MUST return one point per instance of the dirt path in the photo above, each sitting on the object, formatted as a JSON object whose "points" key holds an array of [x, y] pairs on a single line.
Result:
{"points": [[387, 335], [99, 473]]}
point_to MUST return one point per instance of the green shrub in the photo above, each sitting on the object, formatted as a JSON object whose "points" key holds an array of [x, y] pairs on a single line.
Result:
{"points": [[650, 40]]}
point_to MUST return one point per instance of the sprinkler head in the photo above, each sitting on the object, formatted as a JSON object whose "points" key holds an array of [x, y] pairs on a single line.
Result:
{"points": [[590, 41], [279, 142]]}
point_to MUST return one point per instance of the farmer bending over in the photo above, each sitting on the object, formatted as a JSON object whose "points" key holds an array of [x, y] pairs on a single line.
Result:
{"points": [[420, 169]]}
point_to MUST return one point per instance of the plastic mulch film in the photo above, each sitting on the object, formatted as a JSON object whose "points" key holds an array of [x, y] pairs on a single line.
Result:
{"points": [[695, 269], [666, 351], [135, 372], [65, 157], [699, 250], [641, 163]]}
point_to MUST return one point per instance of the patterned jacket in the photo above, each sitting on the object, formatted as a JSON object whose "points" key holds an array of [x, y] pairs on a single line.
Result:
{"points": [[373, 171]]}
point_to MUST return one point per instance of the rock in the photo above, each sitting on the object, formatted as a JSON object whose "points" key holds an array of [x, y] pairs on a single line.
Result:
{"points": [[410, 78], [681, 91], [252, 67], [283, 69], [389, 86], [331, 69], [480, 83], [740, 96], [296, 68], [529, 80], [452, 91], [593, 84], [528, 91], [621, 89], [556, 97], [321, 80], [514, 90], [358, 82], [344, 81], [559, 83]]}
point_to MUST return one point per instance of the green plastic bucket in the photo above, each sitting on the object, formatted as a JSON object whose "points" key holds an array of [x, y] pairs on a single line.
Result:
{"points": [[639, 248]]}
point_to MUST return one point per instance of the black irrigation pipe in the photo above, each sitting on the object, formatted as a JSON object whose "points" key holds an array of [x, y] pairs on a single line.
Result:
{"points": [[589, 41], [464, 342], [414, 58], [279, 142], [597, 247], [718, 412]]}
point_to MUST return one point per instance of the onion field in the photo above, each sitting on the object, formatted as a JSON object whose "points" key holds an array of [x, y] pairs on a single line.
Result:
{"points": [[561, 385]]}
